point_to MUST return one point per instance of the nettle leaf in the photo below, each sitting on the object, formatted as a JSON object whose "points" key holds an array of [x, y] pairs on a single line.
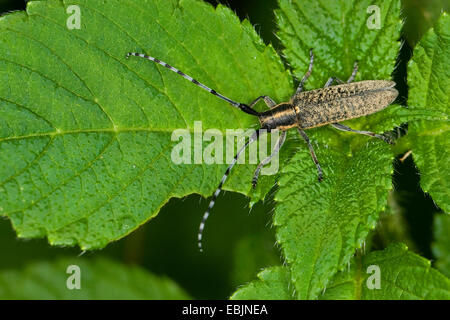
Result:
{"points": [[339, 34], [441, 244], [402, 275], [273, 284], [392, 274], [429, 87], [99, 279], [85, 134], [321, 224]]}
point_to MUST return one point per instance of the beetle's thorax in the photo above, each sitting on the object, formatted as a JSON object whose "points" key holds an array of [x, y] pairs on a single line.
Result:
{"points": [[282, 117]]}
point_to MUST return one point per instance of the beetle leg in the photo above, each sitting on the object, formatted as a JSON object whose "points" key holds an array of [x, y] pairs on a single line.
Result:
{"points": [[355, 70], [367, 133], [330, 81], [352, 76], [277, 148], [268, 100], [313, 154], [307, 74]]}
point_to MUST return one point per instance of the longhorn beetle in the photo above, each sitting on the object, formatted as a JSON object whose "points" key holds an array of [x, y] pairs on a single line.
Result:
{"points": [[305, 110]]}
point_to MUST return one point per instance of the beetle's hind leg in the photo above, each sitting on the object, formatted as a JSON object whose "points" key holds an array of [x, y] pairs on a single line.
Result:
{"points": [[313, 154], [278, 145], [367, 133], [345, 128]]}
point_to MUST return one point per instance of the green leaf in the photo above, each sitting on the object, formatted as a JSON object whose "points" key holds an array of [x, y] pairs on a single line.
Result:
{"points": [[99, 279], [429, 88], [403, 275], [338, 33], [273, 284], [441, 244], [321, 224], [85, 134]]}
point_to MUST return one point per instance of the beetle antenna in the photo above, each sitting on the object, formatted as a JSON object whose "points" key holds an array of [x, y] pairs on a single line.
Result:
{"points": [[254, 137], [241, 106]]}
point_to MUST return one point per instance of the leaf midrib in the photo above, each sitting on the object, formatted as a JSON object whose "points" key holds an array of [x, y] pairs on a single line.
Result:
{"points": [[116, 130]]}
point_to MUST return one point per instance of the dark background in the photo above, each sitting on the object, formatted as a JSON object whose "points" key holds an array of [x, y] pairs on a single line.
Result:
{"points": [[240, 242]]}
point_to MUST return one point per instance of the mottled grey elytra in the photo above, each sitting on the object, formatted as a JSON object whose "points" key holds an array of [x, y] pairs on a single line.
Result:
{"points": [[329, 105], [305, 110]]}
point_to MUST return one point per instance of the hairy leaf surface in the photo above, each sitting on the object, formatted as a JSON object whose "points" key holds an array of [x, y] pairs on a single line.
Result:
{"points": [[273, 284], [321, 224], [85, 134], [403, 276], [429, 88]]}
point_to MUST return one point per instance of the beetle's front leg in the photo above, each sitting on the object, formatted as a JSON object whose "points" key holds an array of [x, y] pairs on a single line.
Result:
{"points": [[277, 148]]}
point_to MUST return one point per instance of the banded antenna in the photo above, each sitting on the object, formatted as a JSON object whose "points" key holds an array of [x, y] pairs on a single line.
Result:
{"points": [[254, 137], [241, 106]]}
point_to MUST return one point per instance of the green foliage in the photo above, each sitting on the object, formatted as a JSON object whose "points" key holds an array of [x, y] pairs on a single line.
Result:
{"points": [[90, 131], [273, 284], [100, 279], [403, 275], [429, 87], [339, 35], [321, 224]]}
